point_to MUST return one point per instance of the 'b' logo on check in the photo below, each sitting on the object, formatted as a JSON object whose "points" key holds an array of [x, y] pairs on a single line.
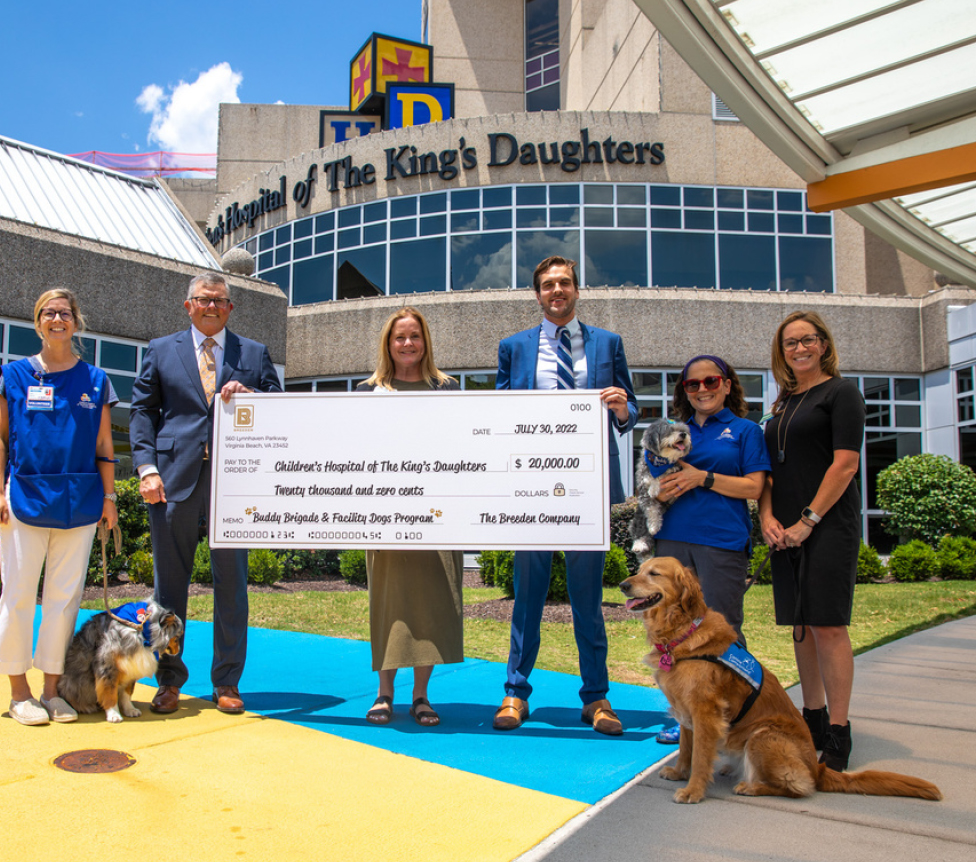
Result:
{"points": [[244, 416]]}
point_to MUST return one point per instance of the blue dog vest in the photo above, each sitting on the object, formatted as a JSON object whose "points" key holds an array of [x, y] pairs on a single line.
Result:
{"points": [[742, 663], [136, 612]]}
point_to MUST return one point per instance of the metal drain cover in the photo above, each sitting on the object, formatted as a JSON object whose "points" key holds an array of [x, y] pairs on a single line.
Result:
{"points": [[94, 761]]}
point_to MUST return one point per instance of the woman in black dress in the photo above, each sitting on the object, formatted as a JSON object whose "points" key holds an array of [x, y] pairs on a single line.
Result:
{"points": [[810, 513]]}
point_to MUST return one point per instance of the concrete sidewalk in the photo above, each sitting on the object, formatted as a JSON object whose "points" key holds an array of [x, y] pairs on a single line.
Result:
{"points": [[913, 711]]}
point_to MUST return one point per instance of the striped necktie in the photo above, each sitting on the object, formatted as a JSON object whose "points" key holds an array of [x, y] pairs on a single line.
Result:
{"points": [[208, 368], [564, 360]]}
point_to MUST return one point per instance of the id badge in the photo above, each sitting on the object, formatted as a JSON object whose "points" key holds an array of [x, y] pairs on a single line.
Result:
{"points": [[40, 397]]}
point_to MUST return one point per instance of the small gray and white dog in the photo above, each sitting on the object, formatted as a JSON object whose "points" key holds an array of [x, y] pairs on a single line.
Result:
{"points": [[663, 444], [106, 658]]}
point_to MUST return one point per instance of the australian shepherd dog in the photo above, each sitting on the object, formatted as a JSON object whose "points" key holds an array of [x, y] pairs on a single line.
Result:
{"points": [[107, 657]]}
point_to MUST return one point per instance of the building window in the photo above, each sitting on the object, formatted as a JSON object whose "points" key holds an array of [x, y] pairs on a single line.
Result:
{"points": [[966, 414], [541, 55]]}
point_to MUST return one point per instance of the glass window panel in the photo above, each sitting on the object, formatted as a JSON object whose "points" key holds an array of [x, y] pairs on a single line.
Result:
{"points": [[303, 228], [530, 217], [759, 200], [646, 412], [265, 261], [879, 538], [564, 217], [374, 212], [599, 217], [564, 193], [304, 386], [698, 220], [493, 198], [481, 262], [350, 217], [682, 260], [882, 450], [631, 218], [672, 381], [730, 198], [403, 207], [790, 223], [666, 218], [616, 258], [324, 222], [752, 385], [374, 233], [761, 223], [878, 415], [464, 221], [403, 229], [544, 99], [908, 416], [466, 200], [282, 255], [806, 263], [791, 201], [433, 203], [666, 196], [251, 246], [303, 248], [350, 237], [266, 240], [433, 225], [696, 197], [551, 75], [280, 276], [87, 349], [419, 266], [122, 384], [967, 446], [876, 388], [966, 411], [908, 389], [598, 194], [324, 243], [498, 220], [314, 281], [283, 234], [964, 379], [123, 357], [631, 195], [479, 382], [365, 263], [747, 262], [819, 224], [647, 383], [334, 385], [533, 246], [731, 221], [530, 196], [533, 66]]}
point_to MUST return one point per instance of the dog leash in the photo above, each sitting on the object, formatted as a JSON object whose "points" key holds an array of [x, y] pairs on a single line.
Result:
{"points": [[762, 567], [103, 532]]}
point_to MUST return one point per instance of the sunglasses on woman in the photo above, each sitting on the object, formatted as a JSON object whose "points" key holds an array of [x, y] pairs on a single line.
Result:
{"points": [[710, 383]]}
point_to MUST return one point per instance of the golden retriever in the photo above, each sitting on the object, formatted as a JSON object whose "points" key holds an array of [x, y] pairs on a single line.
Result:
{"points": [[771, 740]]}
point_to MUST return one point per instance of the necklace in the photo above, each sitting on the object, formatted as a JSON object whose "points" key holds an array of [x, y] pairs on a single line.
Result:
{"points": [[781, 445]]}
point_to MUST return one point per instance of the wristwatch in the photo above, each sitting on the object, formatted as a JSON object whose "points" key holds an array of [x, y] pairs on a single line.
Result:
{"points": [[113, 497], [709, 480], [810, 515]]}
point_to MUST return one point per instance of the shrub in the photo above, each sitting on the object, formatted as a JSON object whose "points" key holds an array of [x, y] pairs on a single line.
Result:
{"points": [[489, 564], [957, 557], [869, 565], [615, 568], [614, 571], [201, 573], [134, 526], [914, 561], [141, 568], [928, 496], [620, 517], [757, 559], [300, 561], [263, 567], [352, 566]]}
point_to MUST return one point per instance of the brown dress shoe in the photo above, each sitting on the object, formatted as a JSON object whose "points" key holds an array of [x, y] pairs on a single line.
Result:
{"points": [[228, 699], [602, 717], [167, 699], [511, 714]]}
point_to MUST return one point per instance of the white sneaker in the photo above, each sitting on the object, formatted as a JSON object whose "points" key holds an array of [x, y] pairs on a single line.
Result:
{"points": [[28, 712], [59, 709]]}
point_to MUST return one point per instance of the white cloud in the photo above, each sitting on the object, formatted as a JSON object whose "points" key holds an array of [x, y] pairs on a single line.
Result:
{"points": [[185, 120]]}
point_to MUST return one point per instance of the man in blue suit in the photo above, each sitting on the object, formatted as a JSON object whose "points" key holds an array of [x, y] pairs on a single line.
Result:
{"points": [[562, 353], [171, 430]]}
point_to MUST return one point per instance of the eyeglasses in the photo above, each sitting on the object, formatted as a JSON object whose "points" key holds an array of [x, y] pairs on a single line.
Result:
{"points": [[204, 302], [791, 344], [50, 314], [711, 383]]}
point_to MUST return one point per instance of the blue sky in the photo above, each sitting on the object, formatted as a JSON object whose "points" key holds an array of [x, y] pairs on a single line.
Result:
{"points": [[74, 74]]}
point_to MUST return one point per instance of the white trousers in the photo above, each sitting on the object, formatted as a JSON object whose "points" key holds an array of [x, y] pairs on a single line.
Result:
{"points": [[23, 550]]}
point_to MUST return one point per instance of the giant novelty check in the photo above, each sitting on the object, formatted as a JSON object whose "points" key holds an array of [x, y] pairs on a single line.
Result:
{"points": [[439, 470]]}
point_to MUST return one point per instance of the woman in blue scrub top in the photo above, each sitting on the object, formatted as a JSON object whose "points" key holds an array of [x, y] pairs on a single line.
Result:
{"points": [[707, 526], [58, 466]]}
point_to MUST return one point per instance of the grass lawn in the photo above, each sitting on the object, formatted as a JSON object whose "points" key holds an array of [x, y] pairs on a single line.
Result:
{"points": [[882, 613]]}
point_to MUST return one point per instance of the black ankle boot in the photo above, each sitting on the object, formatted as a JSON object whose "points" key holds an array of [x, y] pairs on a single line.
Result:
{"points": [[818, 721], [837, 747]]}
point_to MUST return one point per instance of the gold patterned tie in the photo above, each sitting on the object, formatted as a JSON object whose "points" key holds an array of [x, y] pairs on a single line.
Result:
{"points": [[208, 369]]}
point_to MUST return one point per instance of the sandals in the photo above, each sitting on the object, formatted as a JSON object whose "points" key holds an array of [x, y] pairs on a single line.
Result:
{"points": [[381, 711], [423, 713]]}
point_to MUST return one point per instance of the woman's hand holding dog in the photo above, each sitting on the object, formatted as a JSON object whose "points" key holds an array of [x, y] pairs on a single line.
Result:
{"points": [[673, 485]]}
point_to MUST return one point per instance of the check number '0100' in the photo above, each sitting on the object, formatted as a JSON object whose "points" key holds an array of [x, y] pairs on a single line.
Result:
{"points": [[543, 463]]}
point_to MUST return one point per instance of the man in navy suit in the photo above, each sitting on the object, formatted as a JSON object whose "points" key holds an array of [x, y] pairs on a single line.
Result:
{"points": [[582, 357], [171, 430]]}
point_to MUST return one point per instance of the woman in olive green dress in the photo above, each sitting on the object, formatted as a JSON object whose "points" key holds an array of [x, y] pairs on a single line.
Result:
{"points": [[415, 605]]}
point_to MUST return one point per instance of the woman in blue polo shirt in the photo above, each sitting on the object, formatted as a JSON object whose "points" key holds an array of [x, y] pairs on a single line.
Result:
{"points": [[707, 526]]}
